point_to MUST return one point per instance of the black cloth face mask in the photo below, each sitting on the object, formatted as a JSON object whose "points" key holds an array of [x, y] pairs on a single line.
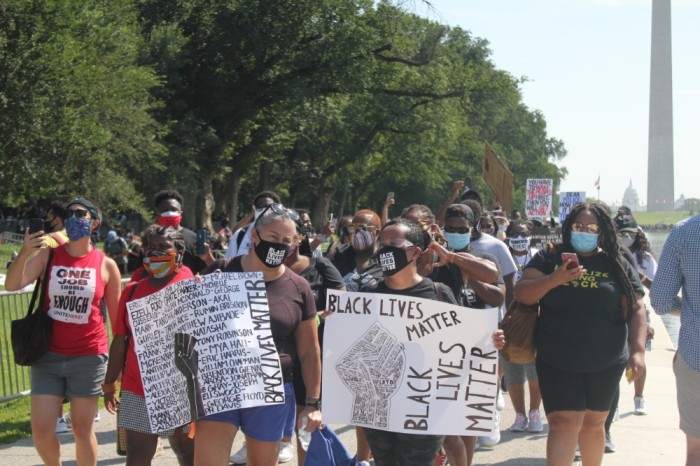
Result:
{"points": [[271, 254], [392, 259]]}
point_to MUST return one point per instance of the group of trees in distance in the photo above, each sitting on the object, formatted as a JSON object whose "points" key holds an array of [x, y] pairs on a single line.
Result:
{"points": [[330, 103]]}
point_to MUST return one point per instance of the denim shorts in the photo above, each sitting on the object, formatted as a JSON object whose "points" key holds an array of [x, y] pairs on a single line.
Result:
{"points": [[262, 423], [69, 376]]}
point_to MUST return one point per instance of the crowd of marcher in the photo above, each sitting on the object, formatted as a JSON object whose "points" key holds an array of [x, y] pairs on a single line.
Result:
{"points": [[592, 328]]}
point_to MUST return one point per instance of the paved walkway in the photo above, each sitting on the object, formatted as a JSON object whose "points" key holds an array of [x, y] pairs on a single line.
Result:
{"points": [[641, 440]]}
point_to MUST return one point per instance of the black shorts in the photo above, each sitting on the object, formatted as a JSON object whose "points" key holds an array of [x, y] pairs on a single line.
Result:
{"points": [[572, 391]]}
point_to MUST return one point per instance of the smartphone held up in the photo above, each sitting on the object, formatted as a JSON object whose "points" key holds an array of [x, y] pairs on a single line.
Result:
{"points": [[35, 225], [565, 256]]}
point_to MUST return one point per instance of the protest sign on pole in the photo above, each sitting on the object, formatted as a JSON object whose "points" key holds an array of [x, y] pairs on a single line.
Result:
{"points": [[567, 199], [409, 365], [205, 347], [538, 198], [497, 177]]}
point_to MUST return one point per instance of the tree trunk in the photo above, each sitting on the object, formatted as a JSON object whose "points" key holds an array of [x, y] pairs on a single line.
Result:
{"points": [[234, 186], [319, 208]]}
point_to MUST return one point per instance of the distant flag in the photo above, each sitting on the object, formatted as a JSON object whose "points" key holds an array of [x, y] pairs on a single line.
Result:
{"points": [[597, 181]]}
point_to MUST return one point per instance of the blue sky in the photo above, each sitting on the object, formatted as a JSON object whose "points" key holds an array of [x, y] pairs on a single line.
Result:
{"points": [[587, 62]]}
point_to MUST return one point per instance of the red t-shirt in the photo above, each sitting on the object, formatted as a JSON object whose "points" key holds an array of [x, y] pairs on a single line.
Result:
{"points": [[73, 302], [131, 377]]}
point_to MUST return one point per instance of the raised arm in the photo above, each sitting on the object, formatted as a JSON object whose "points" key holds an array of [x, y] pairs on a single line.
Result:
{"points": [[457, 187], [29, 263]]}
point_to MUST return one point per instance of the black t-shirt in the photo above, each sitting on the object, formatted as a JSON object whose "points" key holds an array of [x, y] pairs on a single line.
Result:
{"points": [[425, 289], [190, 258], [321, 275], [451, 276], [290, 300], [344, 261], [581, 327]]}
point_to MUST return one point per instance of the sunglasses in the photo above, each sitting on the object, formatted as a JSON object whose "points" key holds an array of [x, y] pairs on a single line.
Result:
{"points": [[353, 227], [520, 235], [396, 242], [591, 227], [279, 209], [462, 231], [78, 213]]}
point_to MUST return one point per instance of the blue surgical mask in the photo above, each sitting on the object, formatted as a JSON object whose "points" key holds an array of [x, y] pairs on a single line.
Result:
{"points": [[77, 228], [583, 241], [458, 241]]}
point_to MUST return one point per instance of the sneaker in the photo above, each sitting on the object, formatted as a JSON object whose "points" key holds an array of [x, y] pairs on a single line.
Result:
{"points": [[439, 460], [609, 445], [500, 401], [535, 421], [640, 406], [62, 426], [492, 439], [97, 416], [286, 452], [577, 455], [520, 423], [362, 463], [241, 456]]}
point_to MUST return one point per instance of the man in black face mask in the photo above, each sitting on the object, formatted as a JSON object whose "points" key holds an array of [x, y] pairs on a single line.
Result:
{"points": [[53, 225]]}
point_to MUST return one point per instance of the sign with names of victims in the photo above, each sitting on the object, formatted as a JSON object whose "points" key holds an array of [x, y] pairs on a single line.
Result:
{"points": [[538, 197], [205, 348], [409, 365]]}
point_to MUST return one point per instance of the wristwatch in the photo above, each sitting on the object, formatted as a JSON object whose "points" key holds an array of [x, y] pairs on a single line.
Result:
{"points": [[314, 402]]}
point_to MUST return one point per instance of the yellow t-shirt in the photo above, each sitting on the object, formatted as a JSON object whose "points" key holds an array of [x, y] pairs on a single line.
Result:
{"points": [[51, 240]]}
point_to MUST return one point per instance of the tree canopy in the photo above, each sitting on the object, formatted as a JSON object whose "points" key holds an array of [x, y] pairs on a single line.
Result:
{"points": [[331, 103]]}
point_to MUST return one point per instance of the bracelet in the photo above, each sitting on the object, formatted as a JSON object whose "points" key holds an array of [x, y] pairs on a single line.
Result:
{"points": [[108, 388], [314, 403]]}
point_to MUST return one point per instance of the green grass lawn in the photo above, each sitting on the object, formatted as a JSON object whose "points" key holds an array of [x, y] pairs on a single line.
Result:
{"points": [[666, 218], [14, 420]]}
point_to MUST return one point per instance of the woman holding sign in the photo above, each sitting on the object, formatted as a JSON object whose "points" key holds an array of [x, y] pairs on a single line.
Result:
{"points": [[592, 324], [294, 331], [162, 262], [79, 278]]}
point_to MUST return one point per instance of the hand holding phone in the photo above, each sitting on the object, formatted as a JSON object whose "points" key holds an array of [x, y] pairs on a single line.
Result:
{"points": [[565, 256], [35, 225]]}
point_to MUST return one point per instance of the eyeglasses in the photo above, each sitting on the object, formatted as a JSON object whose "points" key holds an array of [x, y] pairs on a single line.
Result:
{"points": [[461, 231], [279, 209], [591, 227], [396, 242], [78, 213], [353, 227]]}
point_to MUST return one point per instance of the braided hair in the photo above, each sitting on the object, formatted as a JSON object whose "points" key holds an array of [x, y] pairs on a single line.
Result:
{"points": [[607, 240]]}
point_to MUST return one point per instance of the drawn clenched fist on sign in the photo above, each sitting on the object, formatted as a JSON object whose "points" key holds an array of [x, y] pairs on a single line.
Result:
{"points": [[372, 369]]}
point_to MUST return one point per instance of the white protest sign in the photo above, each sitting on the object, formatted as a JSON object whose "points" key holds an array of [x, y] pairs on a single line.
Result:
{"points": [[538, 198], [568, 199], [205, 347], [409, 365]]}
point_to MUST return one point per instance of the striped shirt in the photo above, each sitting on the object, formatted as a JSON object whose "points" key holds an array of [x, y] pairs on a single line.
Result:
{"points": [[679, 269]]}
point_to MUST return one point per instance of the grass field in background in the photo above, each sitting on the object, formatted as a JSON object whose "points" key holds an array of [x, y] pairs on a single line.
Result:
{"points": [[666, 218]]}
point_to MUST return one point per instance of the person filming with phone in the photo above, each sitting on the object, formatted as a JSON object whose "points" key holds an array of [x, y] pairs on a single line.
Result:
{"points": [[592, 325]]}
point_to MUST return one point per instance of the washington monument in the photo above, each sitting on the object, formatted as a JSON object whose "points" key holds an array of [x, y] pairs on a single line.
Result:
{"points": [[660, 195]]}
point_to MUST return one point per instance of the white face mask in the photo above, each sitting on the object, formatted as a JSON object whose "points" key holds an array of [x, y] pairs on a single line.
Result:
{"points": [[519, 243], [626, 242]]}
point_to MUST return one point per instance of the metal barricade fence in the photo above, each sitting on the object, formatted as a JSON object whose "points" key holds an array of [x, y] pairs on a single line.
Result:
{"points": [[14, 380]]}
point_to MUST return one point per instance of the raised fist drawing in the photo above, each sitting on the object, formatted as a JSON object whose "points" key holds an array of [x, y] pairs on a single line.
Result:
{"points": [[186, 360], [372, 369]]}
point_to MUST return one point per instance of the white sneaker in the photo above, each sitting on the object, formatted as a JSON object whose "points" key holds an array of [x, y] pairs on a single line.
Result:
{"points": [[97, 416], [62, 426], [494, 437], [535, 421], [286, 452], [241, 456], [500, 401], [520, 423], [640, 406]]}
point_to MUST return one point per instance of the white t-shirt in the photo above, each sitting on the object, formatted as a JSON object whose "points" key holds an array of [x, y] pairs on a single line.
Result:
{"points": [[648, 266], [498, 249], [233, 249]]}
